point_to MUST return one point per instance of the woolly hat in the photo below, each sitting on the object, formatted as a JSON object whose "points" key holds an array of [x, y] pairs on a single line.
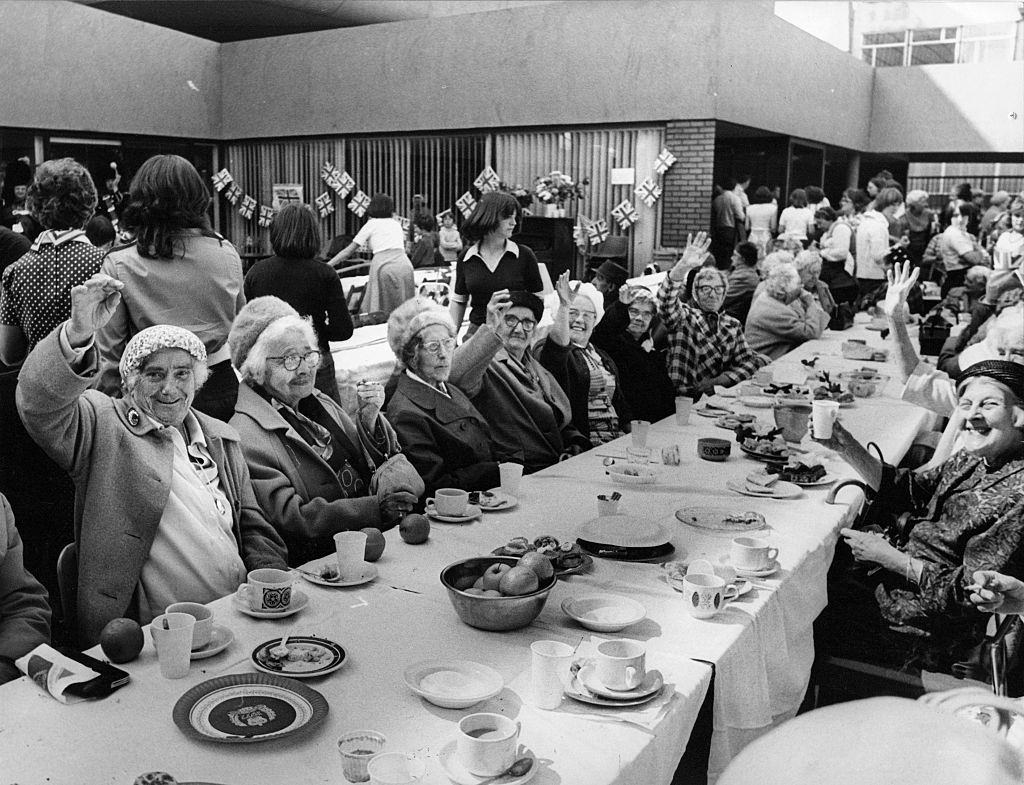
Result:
{"points": [[155, 338], [257, 315], [589, 291], [410, 318], [529, 300]]}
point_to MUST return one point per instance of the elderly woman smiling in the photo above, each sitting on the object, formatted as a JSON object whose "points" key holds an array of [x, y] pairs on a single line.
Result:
{"points": [[312, 467], [442, 434], [164, 508]]}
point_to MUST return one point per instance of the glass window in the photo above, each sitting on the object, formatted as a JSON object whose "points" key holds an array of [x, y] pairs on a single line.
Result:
{"points": [[927, 54], [872, 39], [888, 56], [932, 34]]}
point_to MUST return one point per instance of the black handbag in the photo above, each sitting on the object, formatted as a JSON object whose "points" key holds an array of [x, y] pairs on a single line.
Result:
{"points": [[842, 317]]}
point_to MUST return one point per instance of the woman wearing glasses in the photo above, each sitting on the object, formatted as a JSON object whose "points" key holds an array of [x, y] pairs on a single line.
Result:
{"points": [[311, 466], [442, 434]]}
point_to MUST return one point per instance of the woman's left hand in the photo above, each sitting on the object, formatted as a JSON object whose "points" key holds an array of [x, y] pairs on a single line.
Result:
{"points": [[874, 548], [369, 401]]}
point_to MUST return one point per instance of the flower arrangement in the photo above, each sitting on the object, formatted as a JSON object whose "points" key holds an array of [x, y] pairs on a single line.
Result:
{"points": [[520, 193], [557, 188]]}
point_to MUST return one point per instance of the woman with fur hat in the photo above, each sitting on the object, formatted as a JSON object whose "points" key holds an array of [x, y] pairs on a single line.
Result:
{"points": [[313, 468], [442, 434]]}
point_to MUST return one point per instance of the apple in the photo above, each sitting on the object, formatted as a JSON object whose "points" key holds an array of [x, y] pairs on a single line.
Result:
{"points": [[414, 528], [539, 563], [374, 543], [519, 580], [475, 590], [492, 575], [492, 593], [479, 583], [465, 582]]}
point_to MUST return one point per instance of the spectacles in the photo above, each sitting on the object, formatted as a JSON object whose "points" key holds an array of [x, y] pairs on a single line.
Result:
{"points": [[291, 361], [587, 316], [636, 313], [434, 347], [511, 322], [706, 290]]}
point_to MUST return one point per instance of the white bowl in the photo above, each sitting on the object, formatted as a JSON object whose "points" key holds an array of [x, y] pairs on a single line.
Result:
{"points": [[604, 612], [643, 476], [453, 684]]}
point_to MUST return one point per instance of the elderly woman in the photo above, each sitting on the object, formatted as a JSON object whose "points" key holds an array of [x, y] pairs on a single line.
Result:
{"points": [[529, 415], [624, 333], [808, 264], [178, 271], [784, 315], [442, 434], [963, 516], [312, 467], [164, 508]]}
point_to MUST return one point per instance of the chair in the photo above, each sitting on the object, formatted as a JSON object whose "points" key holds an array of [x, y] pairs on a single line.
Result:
{"points": [[354, 297], [67, 586]]}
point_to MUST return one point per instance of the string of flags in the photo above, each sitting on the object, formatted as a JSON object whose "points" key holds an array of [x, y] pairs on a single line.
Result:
{"points": [[341, 184]]}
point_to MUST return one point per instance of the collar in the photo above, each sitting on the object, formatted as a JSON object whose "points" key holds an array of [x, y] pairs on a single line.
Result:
{"points": [[416, 378], [57, 237], [192, 428], [510, 247]]}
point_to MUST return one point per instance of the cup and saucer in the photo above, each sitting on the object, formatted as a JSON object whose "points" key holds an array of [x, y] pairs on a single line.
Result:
{"points": [[460, 775], [220, 639], [762, 572], [652, 683], [299, 601], [470, 513], [451, 505]]}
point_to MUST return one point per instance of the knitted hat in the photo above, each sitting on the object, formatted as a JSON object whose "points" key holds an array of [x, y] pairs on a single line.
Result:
{"points": [[528, 300], [412, 317], [257, 315], [155, 338], [613, 273], [589, 291], [1003, 371]]}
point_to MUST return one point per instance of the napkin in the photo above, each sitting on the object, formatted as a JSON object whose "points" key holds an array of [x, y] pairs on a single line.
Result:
{"points": [[54, 672]]}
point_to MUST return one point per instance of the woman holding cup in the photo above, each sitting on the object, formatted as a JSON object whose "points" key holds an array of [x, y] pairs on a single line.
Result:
{"points": [[964, 515]]}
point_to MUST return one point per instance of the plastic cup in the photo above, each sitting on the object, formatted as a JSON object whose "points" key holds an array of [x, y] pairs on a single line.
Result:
{"points": [[823, 415], [638, 432], [172, 637], [511, 474], [395, 768], [549, 672], [351, 553], [684, 405], [357, 748]]}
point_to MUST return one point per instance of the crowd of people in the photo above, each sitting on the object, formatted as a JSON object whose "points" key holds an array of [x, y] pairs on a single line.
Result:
{"points": [[180, 422]]}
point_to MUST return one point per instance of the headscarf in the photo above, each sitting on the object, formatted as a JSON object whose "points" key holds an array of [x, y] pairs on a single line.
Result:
{"points": [[155, 338]]}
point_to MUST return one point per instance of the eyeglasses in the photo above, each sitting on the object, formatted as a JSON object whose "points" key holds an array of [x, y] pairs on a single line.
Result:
{"points": [[706, 290], [434, 347], [636, 313], [587, 316], [511, 322], [291, 361]]}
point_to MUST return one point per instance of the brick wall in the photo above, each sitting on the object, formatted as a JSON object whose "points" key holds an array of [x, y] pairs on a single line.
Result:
{"points": [[686, 196]]}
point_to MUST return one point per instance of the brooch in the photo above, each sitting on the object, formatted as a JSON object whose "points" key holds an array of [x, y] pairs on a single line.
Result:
{"points": [[133, 418]]}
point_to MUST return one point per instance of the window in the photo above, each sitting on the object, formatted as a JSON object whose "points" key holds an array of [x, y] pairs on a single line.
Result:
{"points": [[994, 42], [934, 45], [884, 49]]}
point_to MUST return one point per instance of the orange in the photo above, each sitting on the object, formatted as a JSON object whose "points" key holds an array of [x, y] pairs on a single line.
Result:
{"points": [[374, 543], [121, 640], [414, 528]]}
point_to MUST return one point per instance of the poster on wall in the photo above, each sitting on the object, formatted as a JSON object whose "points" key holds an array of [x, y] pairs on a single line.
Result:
{"points": [[286, 193]]}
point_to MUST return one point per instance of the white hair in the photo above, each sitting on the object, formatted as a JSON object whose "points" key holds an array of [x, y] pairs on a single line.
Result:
{"points": [[254, 368], [773, 259], [783, 282]]}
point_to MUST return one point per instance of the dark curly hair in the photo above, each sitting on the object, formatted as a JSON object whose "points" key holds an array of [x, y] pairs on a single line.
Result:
{"points": [[62, 194], [166, 196]]}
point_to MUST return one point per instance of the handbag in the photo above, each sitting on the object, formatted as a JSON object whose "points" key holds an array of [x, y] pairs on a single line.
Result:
{"points": [[842, 317]]}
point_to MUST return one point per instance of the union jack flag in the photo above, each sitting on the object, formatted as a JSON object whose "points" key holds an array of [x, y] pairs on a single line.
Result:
{"points": [[222, 180], [324, 204], [625, 214], [487, 180], [359, 203], [466, 203], [266, 215], [330, 175], [664, 161], [248, 207], [598, 232], [345, 185], [405, 222], [648, 191], [233, 193]]}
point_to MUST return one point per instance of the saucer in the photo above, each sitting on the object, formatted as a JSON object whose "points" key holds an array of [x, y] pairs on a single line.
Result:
{"points": [[758, 401], [499, 500], [778, 490], [299, 601], [652, 683], [762, 573], [369, 573], [743, 586], [457, 772], [578, 692], [472, 513], [219, 640]]}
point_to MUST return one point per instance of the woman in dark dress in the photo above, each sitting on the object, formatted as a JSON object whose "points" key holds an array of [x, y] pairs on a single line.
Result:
{"points": [[491, 262], [307, 284]]}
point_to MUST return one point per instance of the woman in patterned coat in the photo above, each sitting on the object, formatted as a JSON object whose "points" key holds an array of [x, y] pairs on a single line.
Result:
{"points": [[965, 515]]}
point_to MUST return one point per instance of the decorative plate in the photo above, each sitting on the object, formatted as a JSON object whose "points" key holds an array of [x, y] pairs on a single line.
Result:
{"points": [[622, 553], [308, 657], [299, 601], [242, 708], [453, 684], [722, 519]]}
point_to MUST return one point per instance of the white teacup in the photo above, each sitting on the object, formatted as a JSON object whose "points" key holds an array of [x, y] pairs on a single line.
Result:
{"points": [[706, 594], [267, 589], [620, 664], [486, 743], [753, 553], [202, 632], [449, 501], [823, 415]]}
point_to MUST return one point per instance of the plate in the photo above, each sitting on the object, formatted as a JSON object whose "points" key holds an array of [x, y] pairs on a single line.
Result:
{"points": [[731, 422], [453, 684], [623, 553], [458, 774], [324, 657], [716, 519], [472, 513], [625, 531], [219, 640], [779, 490], [652, 683], [758, 573], [242, 708], [369, 573], [586, 562], [618, 474], [742, 585], [758, 401], [299, 601], [826, 479], [604, 612], [499, 501], [578, 692], [770, 457], [711, 411]]}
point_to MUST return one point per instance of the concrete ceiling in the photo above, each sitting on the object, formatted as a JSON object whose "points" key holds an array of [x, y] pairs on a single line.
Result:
{"points": [[240, 20]]}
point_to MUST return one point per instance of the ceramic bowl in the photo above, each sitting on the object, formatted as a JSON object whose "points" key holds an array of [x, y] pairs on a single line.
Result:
{"points": [[604, 612], [711, 449], [453, 684]]}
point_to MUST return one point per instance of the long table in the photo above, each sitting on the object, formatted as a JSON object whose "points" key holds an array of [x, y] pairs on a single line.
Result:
{"points": [[759, 649]]}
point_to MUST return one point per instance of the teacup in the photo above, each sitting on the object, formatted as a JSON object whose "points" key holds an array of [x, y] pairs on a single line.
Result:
{"points": [[619, 664], [711, 449], [706, 594], [753, 553], [267, 589], [202, 632], [449, 501], [486, 743], [700, 565]]}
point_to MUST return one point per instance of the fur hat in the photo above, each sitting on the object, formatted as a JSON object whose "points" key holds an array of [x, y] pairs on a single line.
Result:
{"points": [[411, 317], [257, 315]]}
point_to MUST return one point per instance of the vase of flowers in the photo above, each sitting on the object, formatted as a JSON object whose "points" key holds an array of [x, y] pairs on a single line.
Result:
{"points": [[520, 193], [555, 189]]}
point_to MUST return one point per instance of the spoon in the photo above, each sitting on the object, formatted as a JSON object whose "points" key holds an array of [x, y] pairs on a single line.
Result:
{"points": [[517, 769], [280, 651]]}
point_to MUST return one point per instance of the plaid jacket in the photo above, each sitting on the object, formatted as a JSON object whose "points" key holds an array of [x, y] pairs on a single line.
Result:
{"points": [[703, 345]]}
